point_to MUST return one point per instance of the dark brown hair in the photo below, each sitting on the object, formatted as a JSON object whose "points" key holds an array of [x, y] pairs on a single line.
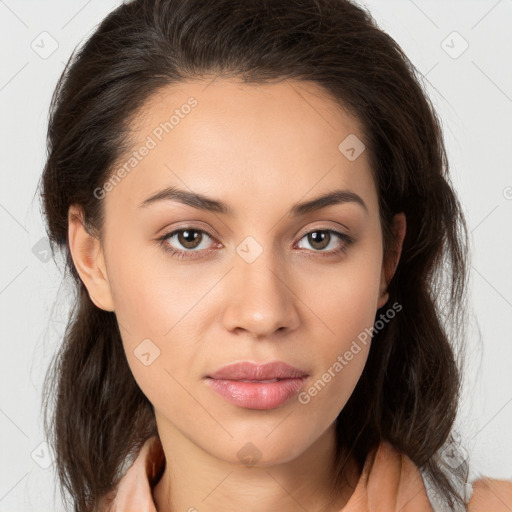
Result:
{"points": [[95, 413]]}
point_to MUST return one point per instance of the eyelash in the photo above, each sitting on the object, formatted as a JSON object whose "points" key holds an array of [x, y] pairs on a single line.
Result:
{"points": [[185, 254]]}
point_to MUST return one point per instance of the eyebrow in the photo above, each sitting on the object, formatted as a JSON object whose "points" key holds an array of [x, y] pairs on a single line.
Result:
{"points": [[203, 202]]}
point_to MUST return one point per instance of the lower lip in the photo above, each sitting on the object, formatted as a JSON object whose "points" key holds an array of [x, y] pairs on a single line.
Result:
{"points": [[257, 395]]}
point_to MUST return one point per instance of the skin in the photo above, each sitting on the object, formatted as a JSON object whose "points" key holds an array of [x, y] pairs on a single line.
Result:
{"points": [[260, 149]]}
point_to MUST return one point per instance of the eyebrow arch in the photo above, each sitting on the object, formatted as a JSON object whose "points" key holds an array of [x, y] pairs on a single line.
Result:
{"points": [[203, 202]]}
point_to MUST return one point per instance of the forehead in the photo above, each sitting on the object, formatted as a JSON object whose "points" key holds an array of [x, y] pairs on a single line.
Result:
{"points": [[241, 143]]}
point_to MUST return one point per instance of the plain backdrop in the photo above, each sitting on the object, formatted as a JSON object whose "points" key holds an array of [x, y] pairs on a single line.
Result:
{"points": [[463, 48]]}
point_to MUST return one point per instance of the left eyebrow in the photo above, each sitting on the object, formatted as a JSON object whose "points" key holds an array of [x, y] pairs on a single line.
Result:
{"points": [[203, 202]]}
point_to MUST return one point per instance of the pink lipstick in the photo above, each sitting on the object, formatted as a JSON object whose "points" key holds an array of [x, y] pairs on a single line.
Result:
{"points": [[257, 386]]}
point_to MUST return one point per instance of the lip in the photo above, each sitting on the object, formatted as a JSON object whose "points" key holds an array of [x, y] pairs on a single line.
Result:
{"points": [[257, 386]]}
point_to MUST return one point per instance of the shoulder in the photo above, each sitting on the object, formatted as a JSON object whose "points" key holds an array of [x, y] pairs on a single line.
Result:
{"points": [[491, 494], [389, 481], [134, 488]]}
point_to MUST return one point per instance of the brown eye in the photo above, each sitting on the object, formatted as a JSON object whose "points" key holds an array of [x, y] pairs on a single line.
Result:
{"points": [[319, 239], [186, 240], [189, 238]]}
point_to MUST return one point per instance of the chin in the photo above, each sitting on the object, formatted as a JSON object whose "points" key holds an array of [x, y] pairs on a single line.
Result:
{"points": [[259, 449]]}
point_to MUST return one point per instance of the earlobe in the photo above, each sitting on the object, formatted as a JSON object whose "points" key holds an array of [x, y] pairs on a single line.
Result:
{"points": [[390, 264], [88, 258]]}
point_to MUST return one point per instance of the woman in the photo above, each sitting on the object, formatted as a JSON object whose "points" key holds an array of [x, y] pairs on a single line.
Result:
{"points": [[254, 203]]}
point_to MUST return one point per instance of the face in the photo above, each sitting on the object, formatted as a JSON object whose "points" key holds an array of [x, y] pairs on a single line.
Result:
{"points": [[198, 285]]}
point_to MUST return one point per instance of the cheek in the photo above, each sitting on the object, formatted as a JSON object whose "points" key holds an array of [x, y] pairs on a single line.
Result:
{"points": [[149, 295], [345, 302], [344, 299], [327, 393], [157, 307], [341, 348]]}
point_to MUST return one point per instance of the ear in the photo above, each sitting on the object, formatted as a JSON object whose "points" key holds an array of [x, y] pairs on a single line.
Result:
{"points": [[87, 254], [391, 261]]}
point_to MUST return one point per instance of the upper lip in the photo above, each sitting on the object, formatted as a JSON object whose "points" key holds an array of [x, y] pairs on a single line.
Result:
{"points": [[247, 370]]}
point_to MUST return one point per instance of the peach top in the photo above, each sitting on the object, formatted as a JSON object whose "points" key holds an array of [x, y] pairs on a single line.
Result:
{"points": [[389, 482]]}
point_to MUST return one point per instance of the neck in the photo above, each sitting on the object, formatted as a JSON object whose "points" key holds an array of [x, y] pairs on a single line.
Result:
{"points": [[196, 481]]}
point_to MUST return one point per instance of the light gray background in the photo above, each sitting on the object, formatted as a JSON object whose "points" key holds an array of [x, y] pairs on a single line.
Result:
{"points": [[473, 95]]}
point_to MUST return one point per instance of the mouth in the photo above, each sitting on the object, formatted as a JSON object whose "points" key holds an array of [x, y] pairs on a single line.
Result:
{"points": [[257, 386]]}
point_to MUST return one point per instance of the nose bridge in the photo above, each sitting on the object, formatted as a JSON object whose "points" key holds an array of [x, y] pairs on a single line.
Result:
{"points": [[261, 301]]}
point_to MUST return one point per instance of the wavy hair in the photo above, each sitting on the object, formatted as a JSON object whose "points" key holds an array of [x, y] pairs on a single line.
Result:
{"points": [[409, 390]]}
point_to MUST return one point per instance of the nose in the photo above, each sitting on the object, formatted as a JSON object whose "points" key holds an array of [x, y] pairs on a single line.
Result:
{"points": [[260, 298]]}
